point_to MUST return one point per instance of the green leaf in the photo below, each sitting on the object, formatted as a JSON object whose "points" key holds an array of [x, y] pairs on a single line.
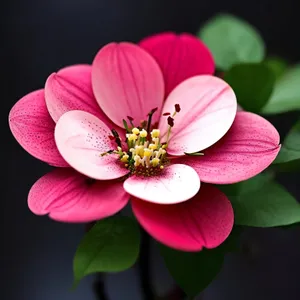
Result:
{"points": [[261, 202], [277, 65], [112, 245], [194, 271], [232, 41], [252, 83], [289, 155], [286, 93]]}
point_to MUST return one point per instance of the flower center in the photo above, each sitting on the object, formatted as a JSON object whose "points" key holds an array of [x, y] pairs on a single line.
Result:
{"points": [[146, 155], [143, 154]]}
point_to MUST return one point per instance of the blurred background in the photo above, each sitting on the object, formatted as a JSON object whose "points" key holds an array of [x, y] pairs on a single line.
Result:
{"points": [[40, 37]]}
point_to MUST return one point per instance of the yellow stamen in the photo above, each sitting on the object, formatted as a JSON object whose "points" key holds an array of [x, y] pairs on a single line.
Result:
{"points": [[132, 137], [155, 133], [155, 161], [143, 133], [124, 158], [137, 160], [148, 152], [139, 150], [153, 146], [135, 130]]}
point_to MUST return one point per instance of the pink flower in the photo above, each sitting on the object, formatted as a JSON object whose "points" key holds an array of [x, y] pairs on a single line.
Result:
{"points": [[81, 104]]}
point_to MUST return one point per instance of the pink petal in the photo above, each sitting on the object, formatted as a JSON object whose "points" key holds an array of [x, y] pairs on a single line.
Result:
{"points": [[205, 220], [68, 196], [179, 56], [33, 128], [127, 82], [176, 183], [81, 138], [208, 107], [71, 89], [246, 150]]}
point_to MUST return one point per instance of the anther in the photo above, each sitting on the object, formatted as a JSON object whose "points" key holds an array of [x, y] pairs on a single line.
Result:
{"points": [[153, 111], [170, 121], [143, 133], [177, 108], [132, 137], [148, 152], [125, 158], [153, 146], [135, 130], [155, 133]]}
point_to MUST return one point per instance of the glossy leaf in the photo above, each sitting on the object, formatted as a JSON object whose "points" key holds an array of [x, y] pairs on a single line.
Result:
{"points": [[112, 245], [252, 84], [289, 155], [232, 41], [286, 93], [261, 202], [194, 271], [277, 65]]}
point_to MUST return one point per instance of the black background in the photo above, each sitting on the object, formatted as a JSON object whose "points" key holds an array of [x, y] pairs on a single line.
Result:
{"points": [[38, 38]]}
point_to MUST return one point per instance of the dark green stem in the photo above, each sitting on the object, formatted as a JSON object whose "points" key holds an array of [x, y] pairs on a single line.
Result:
{"points": [[99, 288], [144, 267]]}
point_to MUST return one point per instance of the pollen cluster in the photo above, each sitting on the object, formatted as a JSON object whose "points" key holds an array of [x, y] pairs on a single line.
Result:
{"points": [[146, 155]]}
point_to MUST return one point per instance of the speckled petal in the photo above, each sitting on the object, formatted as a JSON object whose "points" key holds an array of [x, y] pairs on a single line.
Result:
{"points": [[206, 220], [81, 138], [180, 56], [33, 128], [71, 89], [127, 81], [176, 183], [68, 196], [208, 108], [249, 147]]}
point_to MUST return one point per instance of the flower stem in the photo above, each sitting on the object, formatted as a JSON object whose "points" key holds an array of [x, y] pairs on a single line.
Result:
{"points": [[99, 285], [144, 267], [99, 288]]}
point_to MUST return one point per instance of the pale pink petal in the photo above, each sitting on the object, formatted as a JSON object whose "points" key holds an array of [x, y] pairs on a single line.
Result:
{"points": [[208, 107], [176, 183], [180, 56], [71, 89], [68, 196], [81, 138], [205, 220], [33, 128], [127, 81], [249, 147]]}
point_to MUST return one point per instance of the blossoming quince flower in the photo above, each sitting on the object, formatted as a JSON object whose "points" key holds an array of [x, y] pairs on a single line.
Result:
{"points": [[118, 138]]}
